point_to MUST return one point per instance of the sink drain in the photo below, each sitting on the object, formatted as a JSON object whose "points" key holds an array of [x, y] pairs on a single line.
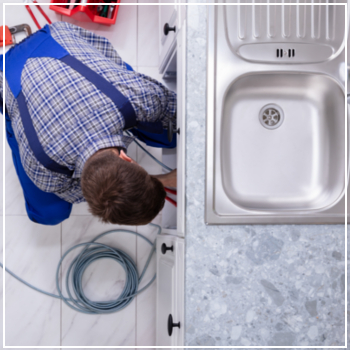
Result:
{"points": [[271, 116]]}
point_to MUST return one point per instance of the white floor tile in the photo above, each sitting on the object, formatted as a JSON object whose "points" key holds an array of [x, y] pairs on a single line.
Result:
{"points": [[32, 252], [103, 280], [148, 35]]}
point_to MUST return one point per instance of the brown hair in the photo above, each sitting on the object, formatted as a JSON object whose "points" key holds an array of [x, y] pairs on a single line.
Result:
{"points": [[120, 192]]}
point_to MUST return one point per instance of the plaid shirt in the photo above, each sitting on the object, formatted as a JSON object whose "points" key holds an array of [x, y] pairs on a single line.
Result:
{"points": [[72, 118]]}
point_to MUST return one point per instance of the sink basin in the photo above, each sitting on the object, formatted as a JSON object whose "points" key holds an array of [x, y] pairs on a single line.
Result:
{"points": [[275, 131], [291, 158]]}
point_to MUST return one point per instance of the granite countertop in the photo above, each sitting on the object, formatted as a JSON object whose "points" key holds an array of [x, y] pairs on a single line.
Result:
{"points": [[280, 285]]}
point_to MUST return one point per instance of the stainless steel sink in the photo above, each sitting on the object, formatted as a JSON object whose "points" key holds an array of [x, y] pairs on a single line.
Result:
{"points": [[276, 114]]}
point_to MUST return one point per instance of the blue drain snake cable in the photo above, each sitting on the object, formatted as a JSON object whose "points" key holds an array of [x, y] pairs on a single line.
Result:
{"points": [[93, 251]]}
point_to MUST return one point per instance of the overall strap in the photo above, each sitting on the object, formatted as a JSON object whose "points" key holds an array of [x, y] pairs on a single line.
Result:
{"points": [[34, 142], [39, 44], [120, 101]]}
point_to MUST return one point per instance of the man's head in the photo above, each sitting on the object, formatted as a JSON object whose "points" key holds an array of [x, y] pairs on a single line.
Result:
{"points": [[120, 191]]}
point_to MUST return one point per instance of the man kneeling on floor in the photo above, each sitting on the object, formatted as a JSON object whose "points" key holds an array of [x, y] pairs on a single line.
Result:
{"points": [[69, 97]]}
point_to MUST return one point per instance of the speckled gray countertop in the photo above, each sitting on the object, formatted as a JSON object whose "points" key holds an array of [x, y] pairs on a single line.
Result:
{"points": [[252, 285]]}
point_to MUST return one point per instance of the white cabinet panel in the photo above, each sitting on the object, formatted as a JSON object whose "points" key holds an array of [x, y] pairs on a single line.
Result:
{"points": [[166, 274], [170, 290], [170, 266], [173, 221], [167, 43]]}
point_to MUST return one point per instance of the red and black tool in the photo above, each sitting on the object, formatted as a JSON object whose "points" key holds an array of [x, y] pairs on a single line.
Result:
{"points": [[170, 200], [32, 14]]}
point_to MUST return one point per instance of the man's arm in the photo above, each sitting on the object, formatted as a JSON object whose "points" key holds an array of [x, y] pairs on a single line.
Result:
{"points": [[169, 179]]}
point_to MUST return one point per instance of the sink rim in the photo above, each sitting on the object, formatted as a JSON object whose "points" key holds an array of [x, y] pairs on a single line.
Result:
{"points": [[233, 67]]}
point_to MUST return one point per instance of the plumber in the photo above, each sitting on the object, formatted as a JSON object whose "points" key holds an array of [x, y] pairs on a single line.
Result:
{"points": [[69, 97]]}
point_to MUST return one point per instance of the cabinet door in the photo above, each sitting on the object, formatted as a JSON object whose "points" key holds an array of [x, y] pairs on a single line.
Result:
{"points": [[173, 219], [170, 290], [167, 43]]}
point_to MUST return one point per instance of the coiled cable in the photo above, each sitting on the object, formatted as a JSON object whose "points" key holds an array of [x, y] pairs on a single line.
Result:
{"points": [[93, 251]]}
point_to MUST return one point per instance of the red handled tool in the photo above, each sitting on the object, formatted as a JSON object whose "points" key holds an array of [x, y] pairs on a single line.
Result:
{"points": [[171, 201], [32, 14], [11, 31], [169, 190], [8, 36]]}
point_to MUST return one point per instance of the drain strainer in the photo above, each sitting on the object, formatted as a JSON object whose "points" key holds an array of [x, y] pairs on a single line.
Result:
{"points": [[271, 116]]}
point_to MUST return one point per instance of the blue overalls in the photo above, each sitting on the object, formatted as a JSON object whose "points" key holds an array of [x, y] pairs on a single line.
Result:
{"points": [[43, 207]]}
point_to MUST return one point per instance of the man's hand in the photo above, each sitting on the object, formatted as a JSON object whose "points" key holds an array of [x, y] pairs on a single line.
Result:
{"points": [[168, 180]]}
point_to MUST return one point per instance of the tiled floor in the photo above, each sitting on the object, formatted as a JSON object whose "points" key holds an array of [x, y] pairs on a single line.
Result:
{"points": [[33, 251]]}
